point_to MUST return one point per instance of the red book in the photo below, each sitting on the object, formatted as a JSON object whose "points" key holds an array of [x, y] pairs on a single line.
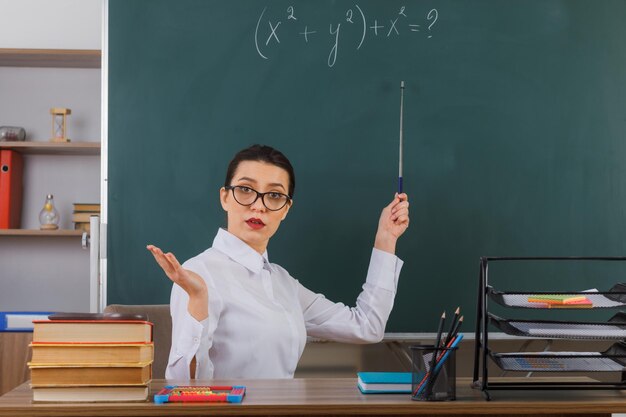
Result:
{"points": [[11, 168]]}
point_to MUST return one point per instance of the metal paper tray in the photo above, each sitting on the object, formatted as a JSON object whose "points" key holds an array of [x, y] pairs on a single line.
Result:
{"points": [[612, 360], [609, 299], [614, 329]]}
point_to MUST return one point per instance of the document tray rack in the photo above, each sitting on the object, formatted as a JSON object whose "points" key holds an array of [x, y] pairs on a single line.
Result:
{"points": [[610, 360]]}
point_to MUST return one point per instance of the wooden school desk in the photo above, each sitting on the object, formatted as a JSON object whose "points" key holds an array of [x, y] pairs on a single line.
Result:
{"points": [[335, 396]]}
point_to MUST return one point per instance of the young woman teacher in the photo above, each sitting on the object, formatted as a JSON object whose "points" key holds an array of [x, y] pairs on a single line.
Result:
{"points": [[241, 316]]}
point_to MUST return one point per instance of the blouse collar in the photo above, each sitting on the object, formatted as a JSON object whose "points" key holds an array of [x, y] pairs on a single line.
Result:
{"points": [[239, 251]]}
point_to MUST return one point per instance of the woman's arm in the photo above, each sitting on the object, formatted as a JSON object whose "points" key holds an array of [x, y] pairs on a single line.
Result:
{"points": [[366, 322], [193, 285]]}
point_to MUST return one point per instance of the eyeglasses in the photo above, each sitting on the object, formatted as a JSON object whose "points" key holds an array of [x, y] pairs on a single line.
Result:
{"points": [[247, 196]]}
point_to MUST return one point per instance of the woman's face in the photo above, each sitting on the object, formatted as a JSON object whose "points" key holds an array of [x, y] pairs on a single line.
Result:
{"points": [[255, 224]]}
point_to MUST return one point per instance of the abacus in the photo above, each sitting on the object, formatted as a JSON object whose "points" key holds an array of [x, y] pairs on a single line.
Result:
{"points": [[190, 393]]}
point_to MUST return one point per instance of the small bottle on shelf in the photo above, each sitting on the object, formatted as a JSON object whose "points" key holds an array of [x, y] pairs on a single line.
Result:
{"points": [[49, 216]]}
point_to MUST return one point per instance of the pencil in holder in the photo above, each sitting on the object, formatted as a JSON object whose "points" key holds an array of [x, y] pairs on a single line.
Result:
{"points": [[438, 383]]}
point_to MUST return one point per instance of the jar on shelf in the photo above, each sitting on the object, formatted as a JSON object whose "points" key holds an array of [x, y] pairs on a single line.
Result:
{"points": [[49, 216], [12, 133]]}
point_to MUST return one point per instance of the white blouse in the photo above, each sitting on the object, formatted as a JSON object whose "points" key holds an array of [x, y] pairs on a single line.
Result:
{"points": [[260, 316]]}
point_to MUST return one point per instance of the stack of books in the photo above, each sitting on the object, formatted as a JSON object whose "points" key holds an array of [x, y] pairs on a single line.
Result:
{"points": [[91, 360], [82, 213]]}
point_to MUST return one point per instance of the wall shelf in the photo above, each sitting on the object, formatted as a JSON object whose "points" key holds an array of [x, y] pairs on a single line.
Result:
{"points": [[50, 58], [53, 148], [38, 233]]}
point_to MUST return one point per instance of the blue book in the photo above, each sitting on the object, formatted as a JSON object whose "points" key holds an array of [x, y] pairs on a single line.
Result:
{"points": [[384, 382], [20, 321]]}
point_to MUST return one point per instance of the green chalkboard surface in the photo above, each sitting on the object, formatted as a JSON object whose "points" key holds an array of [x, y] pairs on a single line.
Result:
{"points": [[514, 138]]}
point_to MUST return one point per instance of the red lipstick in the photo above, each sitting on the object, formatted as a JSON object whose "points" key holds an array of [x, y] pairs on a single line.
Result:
{"points": [[255, 223]]}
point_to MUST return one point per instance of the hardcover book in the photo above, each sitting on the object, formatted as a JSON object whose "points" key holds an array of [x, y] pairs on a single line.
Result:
{"points": [[90, 394], [92, 331], [110, 374], [90, 353], [83, 216], [384, 382], [82, 207]]}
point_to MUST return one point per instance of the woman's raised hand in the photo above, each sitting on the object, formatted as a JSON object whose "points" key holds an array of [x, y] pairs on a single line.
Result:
{"points": [[393, 222], [192, 283]]}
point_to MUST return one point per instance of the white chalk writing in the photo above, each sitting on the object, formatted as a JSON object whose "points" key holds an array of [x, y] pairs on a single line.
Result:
{"points": [[402, 22]]}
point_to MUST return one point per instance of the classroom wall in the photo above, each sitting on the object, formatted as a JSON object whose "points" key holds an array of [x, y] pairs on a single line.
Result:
{"points": [[62, 24], [50, 273]]}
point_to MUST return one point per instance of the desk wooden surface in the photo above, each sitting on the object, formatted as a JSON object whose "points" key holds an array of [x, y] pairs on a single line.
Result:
{"points": [[334, 396]]}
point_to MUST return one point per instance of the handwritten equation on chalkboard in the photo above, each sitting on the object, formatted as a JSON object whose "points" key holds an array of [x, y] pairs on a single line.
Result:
{"points": [[401, 22]]}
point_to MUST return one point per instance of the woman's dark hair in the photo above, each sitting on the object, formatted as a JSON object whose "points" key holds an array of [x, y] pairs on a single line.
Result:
{"points": [[262, 153]]}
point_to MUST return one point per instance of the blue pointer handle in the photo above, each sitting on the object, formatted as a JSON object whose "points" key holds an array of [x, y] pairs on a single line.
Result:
{"points": [[399, 185]]}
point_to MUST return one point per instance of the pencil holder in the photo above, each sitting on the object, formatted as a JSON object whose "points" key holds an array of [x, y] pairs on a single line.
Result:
{"points": [[433, 380]]}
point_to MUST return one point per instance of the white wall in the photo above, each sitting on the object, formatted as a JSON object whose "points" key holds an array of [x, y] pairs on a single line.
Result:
{"points": [[45, 24], [45, 273], [30, 93]]}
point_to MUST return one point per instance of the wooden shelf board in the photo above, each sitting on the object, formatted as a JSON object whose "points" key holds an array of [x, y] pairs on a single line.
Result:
{"points": [[37, 232], [54, 148], [51, 58]]}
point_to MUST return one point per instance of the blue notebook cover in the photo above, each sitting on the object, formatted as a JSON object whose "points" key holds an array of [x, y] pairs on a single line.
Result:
{"points": [[384, 382], [20, 321]]}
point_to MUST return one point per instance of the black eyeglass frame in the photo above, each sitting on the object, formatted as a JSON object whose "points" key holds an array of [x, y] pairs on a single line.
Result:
{"points": [[258, 194]]}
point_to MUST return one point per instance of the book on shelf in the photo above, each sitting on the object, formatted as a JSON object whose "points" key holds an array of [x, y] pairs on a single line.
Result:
{"points": [[83, 216], [84, 226], [90, 393], [109, 374], [91, 353], [90, 207], [20, 321], [92, 331], [384, 382]]}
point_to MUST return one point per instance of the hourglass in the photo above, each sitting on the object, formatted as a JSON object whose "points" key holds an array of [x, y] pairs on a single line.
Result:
{"points": [[59, 127]]}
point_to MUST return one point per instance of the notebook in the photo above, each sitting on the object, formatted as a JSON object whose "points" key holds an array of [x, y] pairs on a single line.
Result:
{"points": [[384, 382]]}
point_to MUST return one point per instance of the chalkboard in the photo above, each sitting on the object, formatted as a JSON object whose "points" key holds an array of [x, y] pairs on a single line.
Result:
{"points": [[514, 138]]}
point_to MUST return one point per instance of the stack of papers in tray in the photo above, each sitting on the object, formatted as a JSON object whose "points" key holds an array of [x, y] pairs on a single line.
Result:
{"points": [[595, 300], [571, 330], [562, 361]]}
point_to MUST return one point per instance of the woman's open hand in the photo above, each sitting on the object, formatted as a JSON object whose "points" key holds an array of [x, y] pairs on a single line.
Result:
{"points": [[393, 222], [192, 283]]}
